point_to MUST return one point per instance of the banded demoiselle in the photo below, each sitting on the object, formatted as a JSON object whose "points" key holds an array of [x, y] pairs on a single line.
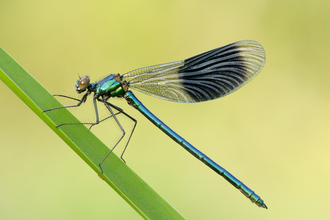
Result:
{"points": [[203, 77]]}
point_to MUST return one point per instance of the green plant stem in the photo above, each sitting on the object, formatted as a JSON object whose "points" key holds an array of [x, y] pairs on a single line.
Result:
{"points": [[117, 174]]}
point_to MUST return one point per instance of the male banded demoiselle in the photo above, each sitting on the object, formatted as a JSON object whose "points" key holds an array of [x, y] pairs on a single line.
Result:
{"points": [[203, 77]]}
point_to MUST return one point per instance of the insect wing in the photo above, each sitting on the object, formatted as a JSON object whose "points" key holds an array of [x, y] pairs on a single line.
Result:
{"points": [[203, 77]]}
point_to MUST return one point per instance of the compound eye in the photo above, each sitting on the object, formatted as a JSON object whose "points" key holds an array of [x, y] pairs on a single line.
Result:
{"points": [[83, 84]]}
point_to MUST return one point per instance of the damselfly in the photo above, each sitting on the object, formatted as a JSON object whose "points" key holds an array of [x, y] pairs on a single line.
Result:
{"points": [[204, 77]]}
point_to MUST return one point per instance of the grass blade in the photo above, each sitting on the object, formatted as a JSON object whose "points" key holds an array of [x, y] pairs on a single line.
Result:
{"points": [[120, 177]]}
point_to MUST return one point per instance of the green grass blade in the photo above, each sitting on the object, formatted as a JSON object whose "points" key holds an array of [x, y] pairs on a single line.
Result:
{"points": [[120, 177]]}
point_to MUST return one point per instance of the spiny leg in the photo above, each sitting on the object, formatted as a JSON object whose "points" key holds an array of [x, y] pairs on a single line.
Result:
{"points": [[68, 97], [113, 106], [84, 123], [135, 122], [117, 113], [83, 99], [121, 128], [107, 104], [127, 115]]}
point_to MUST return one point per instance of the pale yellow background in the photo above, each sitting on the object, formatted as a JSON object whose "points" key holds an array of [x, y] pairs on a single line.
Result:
{"points": [[273, 134]]}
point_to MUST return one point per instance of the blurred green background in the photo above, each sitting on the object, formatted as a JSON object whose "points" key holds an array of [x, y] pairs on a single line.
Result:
{"points": [[272, 134]]}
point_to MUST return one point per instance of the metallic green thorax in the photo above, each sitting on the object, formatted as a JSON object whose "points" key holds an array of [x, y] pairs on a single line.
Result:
{"points": [[111, 87]]}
